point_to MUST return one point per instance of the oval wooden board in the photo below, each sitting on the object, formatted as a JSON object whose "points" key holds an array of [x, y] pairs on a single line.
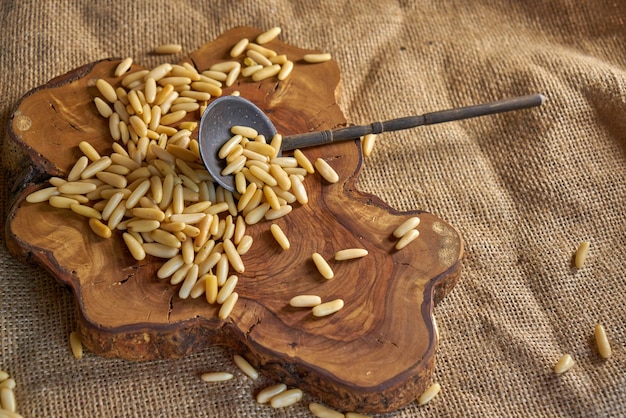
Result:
{"points": [[375, 355]]}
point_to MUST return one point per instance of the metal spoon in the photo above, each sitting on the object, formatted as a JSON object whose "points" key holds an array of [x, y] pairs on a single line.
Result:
{"points": [[228, 111]]}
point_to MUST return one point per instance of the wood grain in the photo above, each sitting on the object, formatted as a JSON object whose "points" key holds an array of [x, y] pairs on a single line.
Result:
{"points": [[375, 355]]}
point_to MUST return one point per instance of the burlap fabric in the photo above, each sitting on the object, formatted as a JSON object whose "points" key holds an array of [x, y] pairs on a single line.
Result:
{"points": [[524, 189]]}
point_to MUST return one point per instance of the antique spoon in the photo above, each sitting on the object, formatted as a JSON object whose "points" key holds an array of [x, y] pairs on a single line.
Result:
{"points": [[227, 111]]}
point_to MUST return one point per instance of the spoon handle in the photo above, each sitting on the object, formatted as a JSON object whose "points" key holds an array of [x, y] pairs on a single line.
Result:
{"points": [[352, 132]]}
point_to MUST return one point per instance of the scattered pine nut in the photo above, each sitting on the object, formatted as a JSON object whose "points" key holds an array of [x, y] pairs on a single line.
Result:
{"points": [[280, 236], [123, 67], [76, 345], [216, 376], [268, 35], [327, 308], [407, 238], [168, 49], [350, 253], [429, 394], [305, 301], [322, 411], [316, 58], [266, 394], [7, 400], [581, 254], [602, 342], [286, 398], [322, 266], [367, 144], [326, 171], [356, 415], [406, 226], [228, 306], [246, 367], [564, 364]]}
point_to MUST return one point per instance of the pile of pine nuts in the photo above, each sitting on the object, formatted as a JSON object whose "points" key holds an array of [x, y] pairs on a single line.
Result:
{"points": [[155, 190], [8, 406]]}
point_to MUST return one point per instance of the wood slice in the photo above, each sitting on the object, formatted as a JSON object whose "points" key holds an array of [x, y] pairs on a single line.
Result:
{"points": [[375, 355]]}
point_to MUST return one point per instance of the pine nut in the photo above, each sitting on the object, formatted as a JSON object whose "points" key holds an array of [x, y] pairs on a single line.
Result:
{"points": [[326, 171], [280, 236], [322, 411], [322, 266], [7, 399], [328, 308], [216, 376], [316, 58], [266, 394], [239, 48], [305, 301], [602, 342], [42, 195], [75, 345], [429, 394], [228, 306], [268, 35], [350, 253], [581, 254], [367, 144], [406, 226], [407, 238], [123, 67], [286, 398], [246, 367], [134, 246], [564, 364]]}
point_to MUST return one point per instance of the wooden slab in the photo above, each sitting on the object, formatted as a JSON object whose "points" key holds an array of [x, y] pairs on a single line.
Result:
{"points": [[375, 355]]}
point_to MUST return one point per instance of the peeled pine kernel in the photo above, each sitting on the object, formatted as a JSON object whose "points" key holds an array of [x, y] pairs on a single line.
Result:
{"points": [[134, 246], [350, 253], [266, 394], [429, 394], [99, 228], [305, 301], [322, 266], [581, 254], [564, 364], [356, 415], [316, 58], [123, 67], [76, 345], [326, 171], [268, 35], [303, 161], [216, 376], [286, 398], [107, 90], [406, 226], [168, 49], [7, 399], [328, 308], [367, 144], [407, 239], [280, 236], [228, 306], [246, 367], [321, 411], [602, 342], [239, 48], [42, 195]]}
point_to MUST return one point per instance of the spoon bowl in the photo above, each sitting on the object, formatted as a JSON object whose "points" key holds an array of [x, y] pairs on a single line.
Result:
{"points": [[214, 130]]}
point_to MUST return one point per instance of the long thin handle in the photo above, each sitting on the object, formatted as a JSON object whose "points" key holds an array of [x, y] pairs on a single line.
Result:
{"points": [[323, 137]]}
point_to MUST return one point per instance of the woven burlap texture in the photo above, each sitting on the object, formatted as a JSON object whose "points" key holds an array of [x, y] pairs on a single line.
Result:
{"points": [[523, 188]]}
